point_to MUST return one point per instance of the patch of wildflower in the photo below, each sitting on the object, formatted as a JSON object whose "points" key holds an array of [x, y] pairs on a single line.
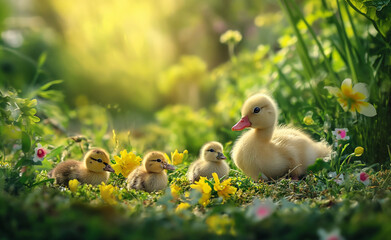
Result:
{"points": [[231, 37], [181, 207], [40, 153], [221, 225], [308, 120], [73, 185], [224, 189], [339, 179], [332, 235], [260, 210], [353, 98], [341, 134], [4, 164], [204, 188], [175, 190], [176, 157], [363, 177], [108, 193], [126, 163]]}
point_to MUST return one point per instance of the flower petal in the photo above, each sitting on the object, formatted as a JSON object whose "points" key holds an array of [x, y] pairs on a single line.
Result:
{"points": [[361, 88], [366, 109], [346, 86], [333, 90]]}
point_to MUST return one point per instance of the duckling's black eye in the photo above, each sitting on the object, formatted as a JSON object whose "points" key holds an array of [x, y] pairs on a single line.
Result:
{"points": [[99, 160], [211, 150], [257, 109], [158, 160]]}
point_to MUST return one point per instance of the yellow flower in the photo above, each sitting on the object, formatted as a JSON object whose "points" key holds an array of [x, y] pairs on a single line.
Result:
{"points": [[221, 224], [107, 193], [73, 184], [358, 151], [308, 120], [175, 190], [231, 37], [223, 189], [126, 163], [176, 157], [353, 99], [187, 194], [181, 207], [204, 188]]}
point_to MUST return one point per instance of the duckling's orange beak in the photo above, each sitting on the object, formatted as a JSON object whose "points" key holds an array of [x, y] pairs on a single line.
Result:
{"points": [[242, 124]]}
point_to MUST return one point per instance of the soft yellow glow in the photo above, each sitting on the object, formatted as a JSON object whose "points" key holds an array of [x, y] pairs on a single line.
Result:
{"points": [[120, 46]]}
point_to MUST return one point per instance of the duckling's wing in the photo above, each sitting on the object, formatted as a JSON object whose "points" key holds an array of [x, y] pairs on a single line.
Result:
{"points": [[193, 173], [66, 171], [136, 179]]}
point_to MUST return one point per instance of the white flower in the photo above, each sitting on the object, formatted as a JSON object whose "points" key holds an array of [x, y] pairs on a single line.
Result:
{"points": [[339, 180], [364, 178], [40, 153]]}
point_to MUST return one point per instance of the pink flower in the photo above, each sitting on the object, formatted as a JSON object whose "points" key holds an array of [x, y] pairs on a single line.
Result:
{"points": [[341, 134], [261, 209], [333, 235], [40, 153], [364, 178]]}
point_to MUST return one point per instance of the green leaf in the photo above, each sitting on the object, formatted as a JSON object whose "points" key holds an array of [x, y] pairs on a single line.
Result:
{"points": [[34, 119], [379, 11], [318, 166], [42, 182], [26, 142], [55, 152], [49, 84], [24, 162], [42, 60]]}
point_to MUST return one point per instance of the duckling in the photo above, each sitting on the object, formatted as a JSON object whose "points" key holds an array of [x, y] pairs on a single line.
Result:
{"points": [[150, 176], [271, 151], [211, 160], [93, 170]]}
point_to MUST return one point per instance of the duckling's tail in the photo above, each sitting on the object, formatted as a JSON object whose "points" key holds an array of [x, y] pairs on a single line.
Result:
{"points": [[323, 149]]}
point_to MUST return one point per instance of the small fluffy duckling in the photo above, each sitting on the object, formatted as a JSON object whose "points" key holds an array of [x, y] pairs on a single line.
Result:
{"points": [[150, 176], [94, 169], [269, 150], [211, 160]]}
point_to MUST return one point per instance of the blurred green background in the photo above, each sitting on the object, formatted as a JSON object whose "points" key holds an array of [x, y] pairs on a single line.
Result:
{"points": [[120, 52]]}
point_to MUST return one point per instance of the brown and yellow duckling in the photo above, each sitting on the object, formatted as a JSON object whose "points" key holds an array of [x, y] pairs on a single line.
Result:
{"points": [[150, 176], [94, 169], [211, 160]]}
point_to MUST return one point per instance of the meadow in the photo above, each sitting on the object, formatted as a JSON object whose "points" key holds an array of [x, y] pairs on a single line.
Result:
{"points": [[133, 77]]}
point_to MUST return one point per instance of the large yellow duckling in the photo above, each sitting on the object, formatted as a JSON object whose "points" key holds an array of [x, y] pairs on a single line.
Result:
{"points": [[94, 169], [150, 176], [270, 151], [211, 160]]}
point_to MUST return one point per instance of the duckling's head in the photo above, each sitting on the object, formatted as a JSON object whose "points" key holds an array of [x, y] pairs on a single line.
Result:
{"points": [[97, 160], [155, 162], [213, 152], [259, 111]]}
